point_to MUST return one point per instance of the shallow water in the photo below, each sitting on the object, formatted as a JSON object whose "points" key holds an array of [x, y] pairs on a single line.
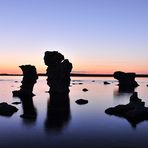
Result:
{"points": [[79, 125]]}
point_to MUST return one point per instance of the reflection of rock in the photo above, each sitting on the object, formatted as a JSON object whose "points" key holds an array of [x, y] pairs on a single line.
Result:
{"points": [[58, 112], [120, 92], [7, 110], [29, 79], [81, 101], [126, 80], [58, 72], [29, 111], [134, 111]]}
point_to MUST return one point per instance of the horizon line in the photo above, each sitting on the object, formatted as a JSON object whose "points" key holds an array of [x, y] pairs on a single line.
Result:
{"points": [[75, 74]]}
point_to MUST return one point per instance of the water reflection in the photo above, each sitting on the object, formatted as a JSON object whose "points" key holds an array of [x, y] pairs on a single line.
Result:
{"points": [[58, 113], [120, 92], [29, 111]]}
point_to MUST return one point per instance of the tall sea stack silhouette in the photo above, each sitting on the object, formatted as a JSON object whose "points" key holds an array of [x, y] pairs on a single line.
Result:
{"points": [[126, 80], [29, 79], [58, 72]]}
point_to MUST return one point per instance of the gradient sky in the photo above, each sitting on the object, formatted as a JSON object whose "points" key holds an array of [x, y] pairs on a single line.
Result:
{"points": [[97, 36]]}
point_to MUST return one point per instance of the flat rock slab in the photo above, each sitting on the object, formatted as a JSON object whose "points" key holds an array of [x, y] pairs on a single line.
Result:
{"points": [[7, 110], [81, 101]]}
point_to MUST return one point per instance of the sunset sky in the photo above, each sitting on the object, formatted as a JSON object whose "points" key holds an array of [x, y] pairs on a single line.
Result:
{"points": [[97, 36]]}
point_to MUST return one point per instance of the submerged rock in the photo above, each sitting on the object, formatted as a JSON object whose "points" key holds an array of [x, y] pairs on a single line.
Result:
{"points": [[7, 110], [81, 101], [106, 83], [134, 111], [84, 89], [16, 103]]}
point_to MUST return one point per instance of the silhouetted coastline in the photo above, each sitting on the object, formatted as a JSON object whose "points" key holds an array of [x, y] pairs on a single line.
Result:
{"points": [[78, 75]]}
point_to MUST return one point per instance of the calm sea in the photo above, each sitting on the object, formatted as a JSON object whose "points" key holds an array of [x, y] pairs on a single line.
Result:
{"points": [[76, 126]]}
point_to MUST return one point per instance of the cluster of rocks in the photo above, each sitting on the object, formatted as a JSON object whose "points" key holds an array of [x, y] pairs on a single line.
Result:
{"points": [[135, 111]]}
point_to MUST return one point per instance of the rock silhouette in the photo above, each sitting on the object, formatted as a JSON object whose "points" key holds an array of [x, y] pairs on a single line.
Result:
{"points": [[58, 112], [58, 72], [84, 89], [135, 111], [106, 83], [29, 79], [126, 81], [7, 110], [81, 101]]}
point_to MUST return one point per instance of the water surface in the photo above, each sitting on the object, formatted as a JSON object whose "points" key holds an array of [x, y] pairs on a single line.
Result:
{"points": [[78, 125]]}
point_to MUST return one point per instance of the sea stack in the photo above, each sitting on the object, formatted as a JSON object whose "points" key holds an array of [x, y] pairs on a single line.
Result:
{"points": [[29, 79], [126, 80], [58, 72]]}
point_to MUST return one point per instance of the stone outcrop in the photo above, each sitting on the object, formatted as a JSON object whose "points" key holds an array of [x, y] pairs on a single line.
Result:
{"points": [[29, 79], [135, 111], [58, 72], [126, 80]]}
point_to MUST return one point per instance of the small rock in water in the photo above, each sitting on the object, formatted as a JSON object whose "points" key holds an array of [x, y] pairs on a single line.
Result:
{"points": [[84, 89], [81, 101], [16, 103], [106, 83], [7, 110]]}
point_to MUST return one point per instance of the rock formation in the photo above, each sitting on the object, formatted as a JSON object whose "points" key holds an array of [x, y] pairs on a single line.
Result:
{"points": [[58, 72], [29, 79], [134, 111], [126, 80]]}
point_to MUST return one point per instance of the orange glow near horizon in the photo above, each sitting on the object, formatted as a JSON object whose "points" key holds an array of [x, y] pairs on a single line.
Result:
{"points": [[82, 69]]}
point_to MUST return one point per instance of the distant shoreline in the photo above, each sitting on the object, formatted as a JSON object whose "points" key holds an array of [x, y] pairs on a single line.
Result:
{"points": [[79, 75]]}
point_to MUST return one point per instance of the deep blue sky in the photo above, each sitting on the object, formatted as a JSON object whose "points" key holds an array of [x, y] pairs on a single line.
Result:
{"points": [[95, 35]]}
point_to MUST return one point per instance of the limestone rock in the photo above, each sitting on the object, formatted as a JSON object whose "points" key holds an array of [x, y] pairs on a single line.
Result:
{"points": [[29, 79], [126, 80], [58, 71]]}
